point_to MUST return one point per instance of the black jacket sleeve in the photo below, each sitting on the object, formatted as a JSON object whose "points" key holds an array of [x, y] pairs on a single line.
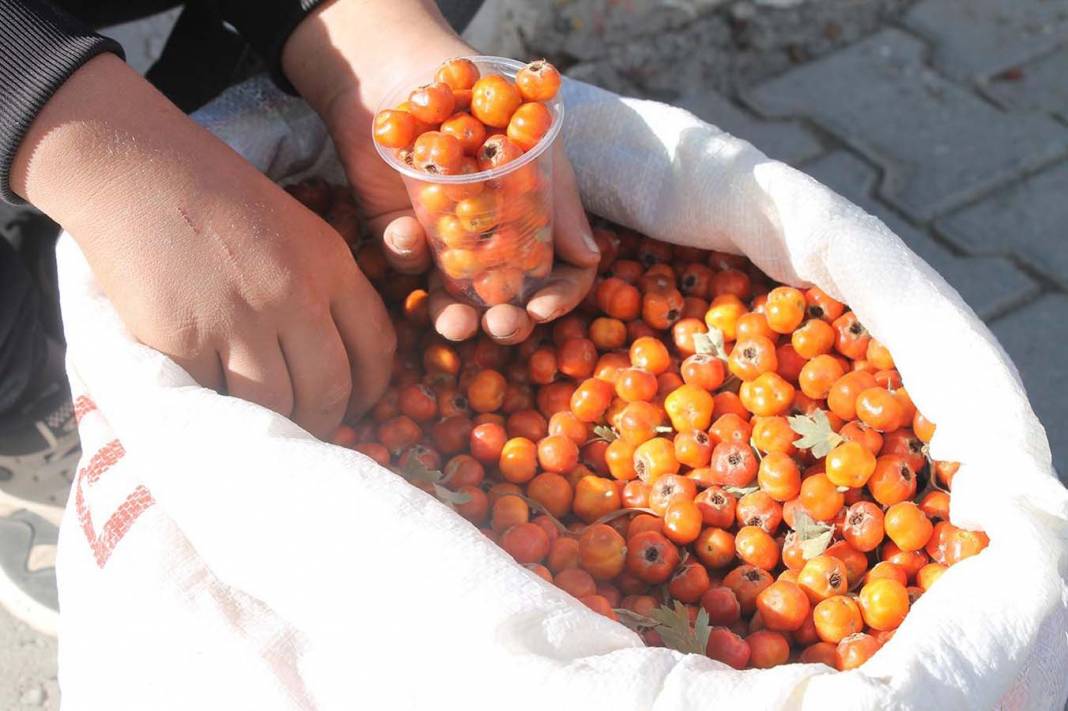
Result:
{"points": [[40, 47], [266, 25]]}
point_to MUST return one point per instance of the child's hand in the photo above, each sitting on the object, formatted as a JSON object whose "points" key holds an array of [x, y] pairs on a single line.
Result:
{"points": [[205, 259], [343, 69]]}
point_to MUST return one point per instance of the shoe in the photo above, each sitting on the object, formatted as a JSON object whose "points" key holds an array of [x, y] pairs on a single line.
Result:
{"points": [[39, 453], [28, 570]]}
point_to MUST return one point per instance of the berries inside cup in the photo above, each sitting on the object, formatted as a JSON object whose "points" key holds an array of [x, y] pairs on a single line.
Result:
{"points": [[472, 145]]}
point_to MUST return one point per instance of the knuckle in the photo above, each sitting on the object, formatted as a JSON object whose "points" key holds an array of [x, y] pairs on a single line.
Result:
{"points": [[277, 399]]}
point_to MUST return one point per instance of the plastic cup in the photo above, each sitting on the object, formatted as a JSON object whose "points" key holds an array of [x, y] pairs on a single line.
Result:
{"points": [[490, 232]]}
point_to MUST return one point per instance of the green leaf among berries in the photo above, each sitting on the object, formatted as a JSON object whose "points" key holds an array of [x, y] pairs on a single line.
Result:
{"points": [[415, 470], [633, 620], [816, 433], [449, 496], [673, 624]]}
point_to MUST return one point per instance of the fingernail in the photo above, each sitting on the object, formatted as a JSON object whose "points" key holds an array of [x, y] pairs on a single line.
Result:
{"points": [[587, 237], [402, 242]]}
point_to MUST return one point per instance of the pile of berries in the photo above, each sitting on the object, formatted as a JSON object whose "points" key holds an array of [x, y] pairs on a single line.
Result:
{"points": [[491, 238], [728, 466]]}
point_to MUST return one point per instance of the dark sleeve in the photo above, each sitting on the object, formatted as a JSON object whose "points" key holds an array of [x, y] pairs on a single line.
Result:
{"points": [[40, 47], [266, 25]]}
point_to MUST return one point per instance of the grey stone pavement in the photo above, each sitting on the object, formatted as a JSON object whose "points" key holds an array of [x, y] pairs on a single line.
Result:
{"points": [[948, 119]]}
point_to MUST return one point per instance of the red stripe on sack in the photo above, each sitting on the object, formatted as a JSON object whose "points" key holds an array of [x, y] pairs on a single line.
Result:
{"points": [[102, 460], [118, 524], [83, 405]]}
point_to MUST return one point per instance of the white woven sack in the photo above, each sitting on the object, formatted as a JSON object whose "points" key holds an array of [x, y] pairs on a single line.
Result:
{"points": [[215, 556]]}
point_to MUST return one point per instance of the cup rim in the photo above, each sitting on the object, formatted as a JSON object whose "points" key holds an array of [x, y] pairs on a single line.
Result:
{"points": [[556, 106]]}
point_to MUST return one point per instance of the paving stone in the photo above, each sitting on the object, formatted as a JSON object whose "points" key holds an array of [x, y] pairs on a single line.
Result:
{"points": [[938, 144], [975, 38], [990, 285], [787, 141], [1038, 86], [1033, 336], [1029, 220]]}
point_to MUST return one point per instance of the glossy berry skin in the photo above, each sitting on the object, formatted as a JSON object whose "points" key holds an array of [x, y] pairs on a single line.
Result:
{"points": [[756, 547], [854, 650], [703, 371], [893, 480], [721, 604], [650, 354], [494, 99], [437, 153], [466, 129], [526, 542], [651, 557], [689, 583], [783, 606], [822, 577], [821, 498], [768, 649], [836, 618], [655, 458], [850, 464], [538, 81], [394, 129], [768, 394], [432, 103], [693, 448], [714, 547], [884, 604], [496, 151], [682, 522], [727, 647], [752, 356], [880, 410], [690, 408], [557, 453], [518, 460], [907, 526], [602, 551], [734, 464], [863, 527], [594, 497], [779, 476], [458, 73], [529, 124], [785, 309]]}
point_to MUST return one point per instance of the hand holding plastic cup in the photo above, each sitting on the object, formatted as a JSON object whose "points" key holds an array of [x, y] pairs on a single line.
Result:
{"points": [[474, 151]]}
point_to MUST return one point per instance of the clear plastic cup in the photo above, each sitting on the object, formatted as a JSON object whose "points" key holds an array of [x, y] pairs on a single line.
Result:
{"points": [[490, 232]]}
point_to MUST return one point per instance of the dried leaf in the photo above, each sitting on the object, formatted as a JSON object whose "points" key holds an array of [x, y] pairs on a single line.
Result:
{"points": [[732, 384], [613, 515], [816, 546], [605, 433], [449, 496], [740, 491], [673, 624], [756, 450], [633, 620], [816, 433], [538, 506], [812, 536], [664, 429], [415, 470], [710, 343]]}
